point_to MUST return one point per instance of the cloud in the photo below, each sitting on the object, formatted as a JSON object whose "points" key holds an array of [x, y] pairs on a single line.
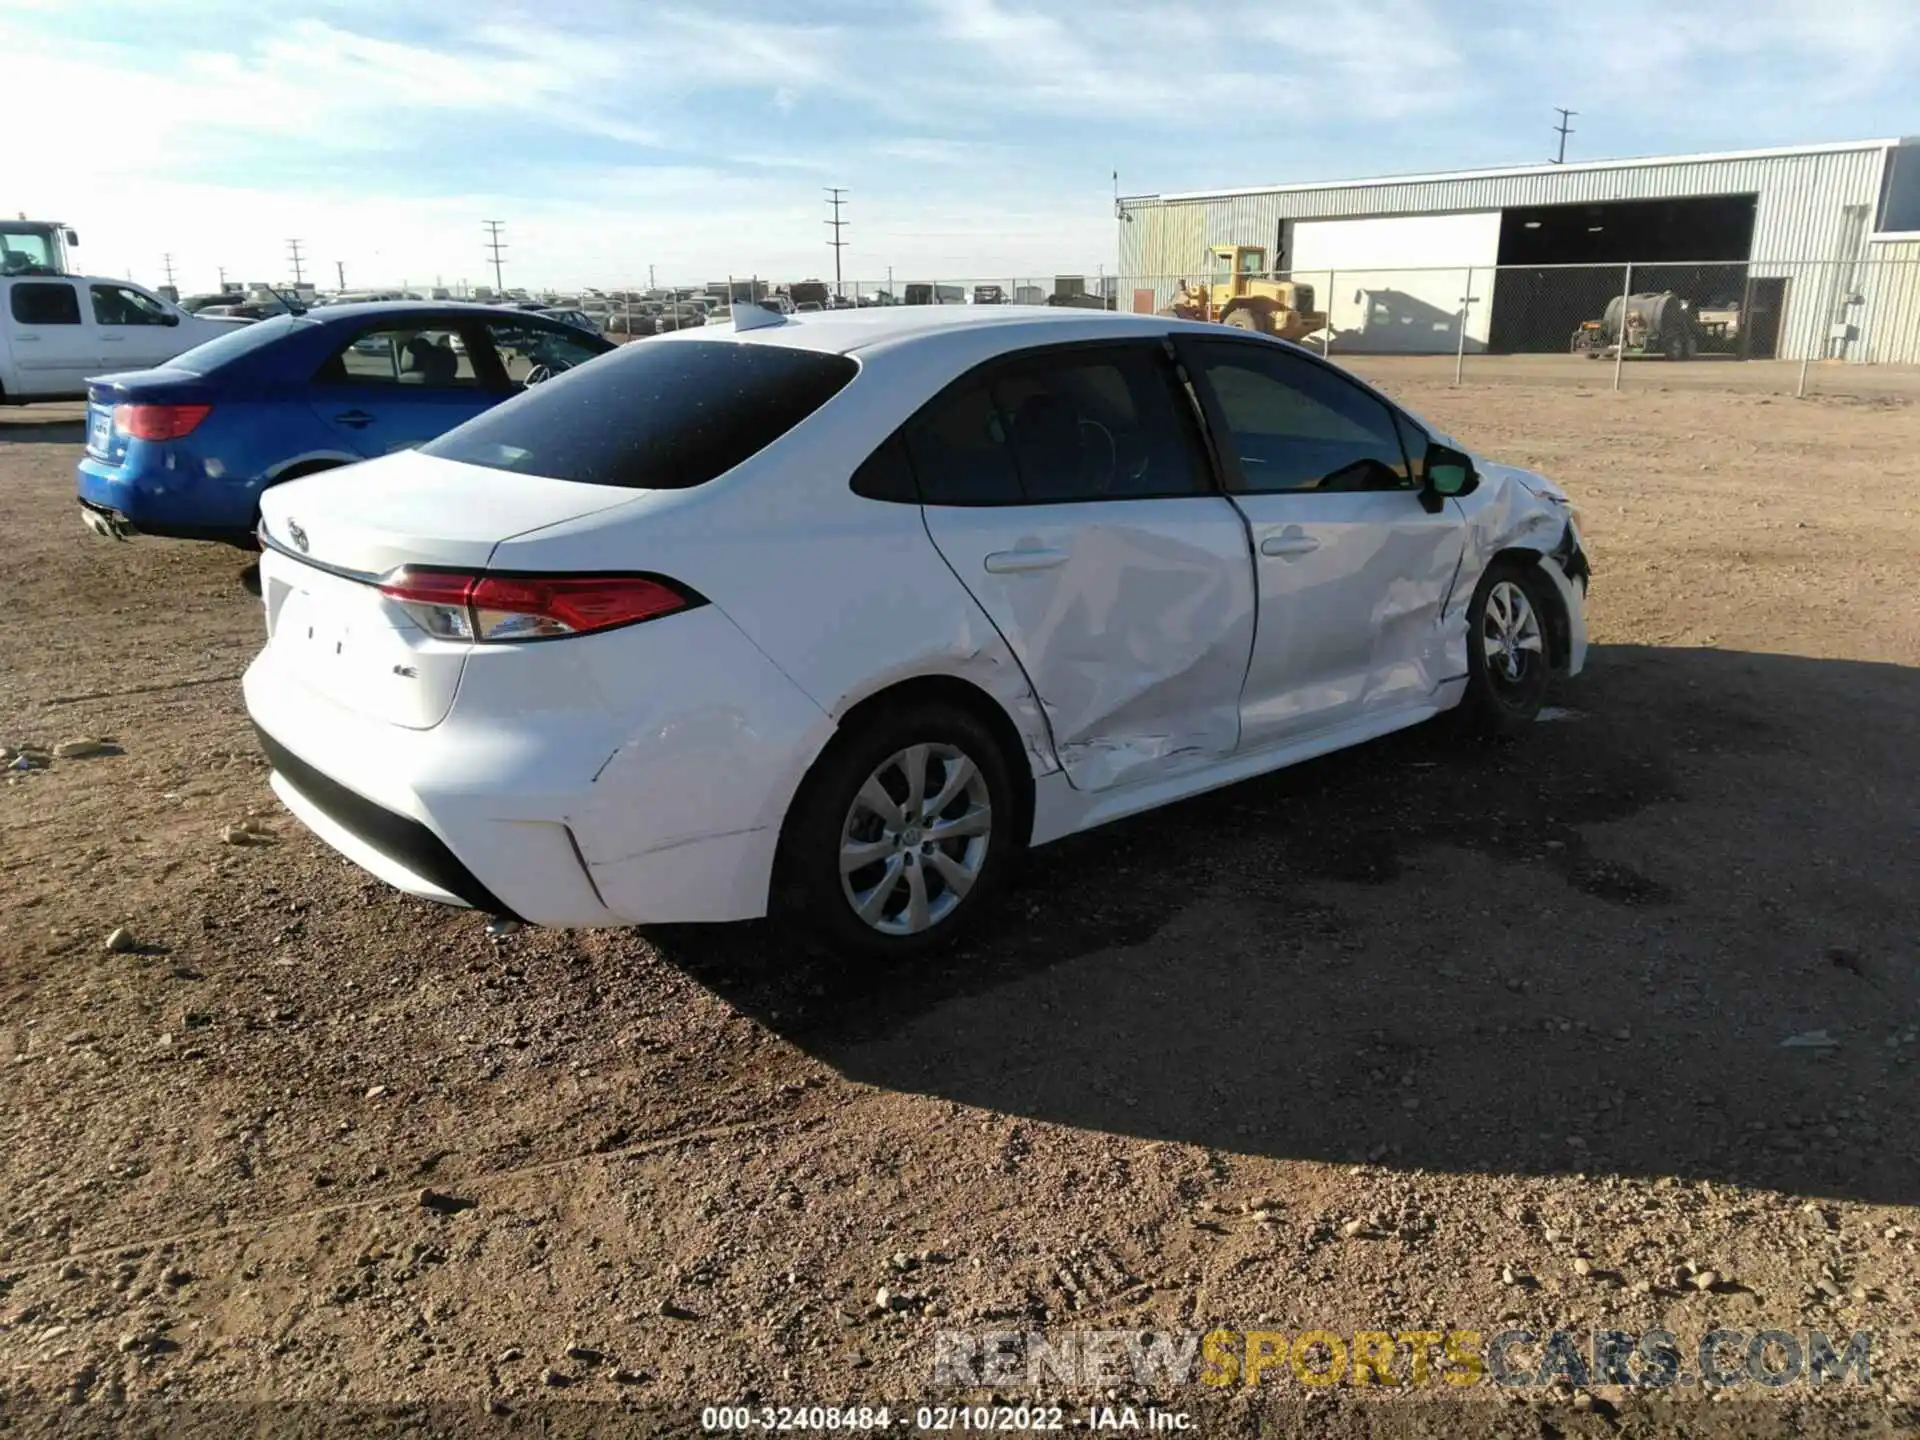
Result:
{"points": [[976, 135], [1766, 71]]}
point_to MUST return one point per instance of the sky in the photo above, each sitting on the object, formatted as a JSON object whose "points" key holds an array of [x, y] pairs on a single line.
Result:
{"points": [[974, 138]]}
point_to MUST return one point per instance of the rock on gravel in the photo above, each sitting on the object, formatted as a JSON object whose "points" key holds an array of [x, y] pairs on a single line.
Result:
{"points": [[121, 941]]}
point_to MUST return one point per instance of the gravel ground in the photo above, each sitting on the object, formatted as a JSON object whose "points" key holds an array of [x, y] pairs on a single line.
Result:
{"points": [[1424, 1036]]}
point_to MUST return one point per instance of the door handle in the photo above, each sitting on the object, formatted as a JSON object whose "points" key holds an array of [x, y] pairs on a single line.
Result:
{"points": [[353, 419], [1013, 562], [23, 338], [113, 339], [1288, 545]]}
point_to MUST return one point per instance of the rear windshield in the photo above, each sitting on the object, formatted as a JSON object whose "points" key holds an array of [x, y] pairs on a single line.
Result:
{"points": [[656, 415], [241, 341]]}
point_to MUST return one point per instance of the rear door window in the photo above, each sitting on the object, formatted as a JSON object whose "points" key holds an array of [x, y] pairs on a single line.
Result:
{"points": [[654, 416], [958, 445], [1059, 426], [1099, 424], [540, 350], [45, 303], [402, 355]]}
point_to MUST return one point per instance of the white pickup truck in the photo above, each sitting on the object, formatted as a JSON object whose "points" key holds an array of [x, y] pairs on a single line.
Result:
{"points": [[56, 330]]}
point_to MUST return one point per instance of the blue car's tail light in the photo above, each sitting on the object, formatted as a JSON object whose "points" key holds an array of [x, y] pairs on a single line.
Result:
{"points": [[158, 422]]}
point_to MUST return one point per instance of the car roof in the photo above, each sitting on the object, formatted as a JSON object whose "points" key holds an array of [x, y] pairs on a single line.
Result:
{"points": [[848, 332], [406, 309]]}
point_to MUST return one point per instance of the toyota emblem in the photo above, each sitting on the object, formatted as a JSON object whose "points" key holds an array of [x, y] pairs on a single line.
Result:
{"points": [[299, 535]]}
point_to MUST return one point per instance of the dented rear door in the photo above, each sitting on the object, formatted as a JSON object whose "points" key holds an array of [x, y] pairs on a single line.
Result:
{"points": [[1070, 495]]}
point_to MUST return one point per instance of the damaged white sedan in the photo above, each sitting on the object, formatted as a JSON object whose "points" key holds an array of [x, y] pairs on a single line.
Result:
{"points": [[832, 615]]}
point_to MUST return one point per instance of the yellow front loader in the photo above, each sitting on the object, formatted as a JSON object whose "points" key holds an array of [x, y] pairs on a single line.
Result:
{"points": [[1240, 292]]}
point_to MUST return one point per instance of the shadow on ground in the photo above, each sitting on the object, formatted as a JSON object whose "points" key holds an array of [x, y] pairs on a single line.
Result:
{"points": [[43, 432], [1580, 951]]}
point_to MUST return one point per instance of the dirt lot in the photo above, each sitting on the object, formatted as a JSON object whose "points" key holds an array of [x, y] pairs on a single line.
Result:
{"points": [[1518, 1011]]}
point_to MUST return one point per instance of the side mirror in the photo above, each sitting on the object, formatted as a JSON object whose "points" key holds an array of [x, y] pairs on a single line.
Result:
{"points": [[73, 237], [172, 318], [1446, 474]]}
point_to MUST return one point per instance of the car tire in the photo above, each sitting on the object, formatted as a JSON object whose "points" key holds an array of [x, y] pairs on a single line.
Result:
{"points": [[916, 891], [1509, 656]]}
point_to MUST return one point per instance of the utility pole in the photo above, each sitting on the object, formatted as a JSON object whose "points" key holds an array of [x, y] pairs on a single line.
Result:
{"points": [[166, 262], [650, 284], [293, 253], [494, 228], [340, 272], [1565, 130], [834, 192], [223, 278]]}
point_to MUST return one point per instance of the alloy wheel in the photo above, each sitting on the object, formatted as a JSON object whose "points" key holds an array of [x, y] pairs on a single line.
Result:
{"points": [[915, 838], [1510, 634]]}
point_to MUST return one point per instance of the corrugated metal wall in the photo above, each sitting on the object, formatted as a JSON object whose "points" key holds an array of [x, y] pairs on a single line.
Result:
{"points": [[1890, 321], [1801, 215]]}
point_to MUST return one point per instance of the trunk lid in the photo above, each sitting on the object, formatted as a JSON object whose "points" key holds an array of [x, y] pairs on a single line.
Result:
{"points": [[333, 535]]}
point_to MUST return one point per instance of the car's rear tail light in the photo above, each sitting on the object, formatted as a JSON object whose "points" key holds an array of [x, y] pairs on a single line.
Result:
{"points": [[437, 599], [158, 422], [494, 609]]}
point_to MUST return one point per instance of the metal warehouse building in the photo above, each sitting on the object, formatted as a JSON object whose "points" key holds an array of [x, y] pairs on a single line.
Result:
{"points": [[1817, 246]]}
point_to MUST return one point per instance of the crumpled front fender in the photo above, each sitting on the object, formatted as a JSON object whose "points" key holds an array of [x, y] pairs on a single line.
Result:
{"points": [[1514, 509]]}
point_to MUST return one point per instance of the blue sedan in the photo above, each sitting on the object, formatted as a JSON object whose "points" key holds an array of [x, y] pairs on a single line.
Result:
{"points": [[185, 450]]}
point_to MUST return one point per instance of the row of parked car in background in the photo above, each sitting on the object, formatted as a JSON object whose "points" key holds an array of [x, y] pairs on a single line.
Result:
{"points": [[659, 311]]}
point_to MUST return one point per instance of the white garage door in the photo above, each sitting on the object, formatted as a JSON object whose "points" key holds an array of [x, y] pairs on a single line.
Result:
{"points": [[1394, 284]]}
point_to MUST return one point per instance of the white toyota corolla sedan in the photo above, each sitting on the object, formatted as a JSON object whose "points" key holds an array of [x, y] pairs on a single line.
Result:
{"points": [[832, 616]]}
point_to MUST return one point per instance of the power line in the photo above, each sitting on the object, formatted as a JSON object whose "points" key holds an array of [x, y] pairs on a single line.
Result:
{"points": [[1565, 130], [834, 192], [493, 229], [293, 253]]}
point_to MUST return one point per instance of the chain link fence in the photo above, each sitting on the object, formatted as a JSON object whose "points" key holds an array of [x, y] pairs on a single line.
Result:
{"points": [[1791, 327], [1788, 327]]}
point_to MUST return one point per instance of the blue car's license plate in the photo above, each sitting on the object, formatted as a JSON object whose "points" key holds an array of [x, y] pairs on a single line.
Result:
{"points": [[100, 432]]}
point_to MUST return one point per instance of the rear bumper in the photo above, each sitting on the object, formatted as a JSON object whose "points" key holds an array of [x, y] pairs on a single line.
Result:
{"points": [[400, 849], [111, 524], [407, 816], [160, 499], [651, 795]]}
